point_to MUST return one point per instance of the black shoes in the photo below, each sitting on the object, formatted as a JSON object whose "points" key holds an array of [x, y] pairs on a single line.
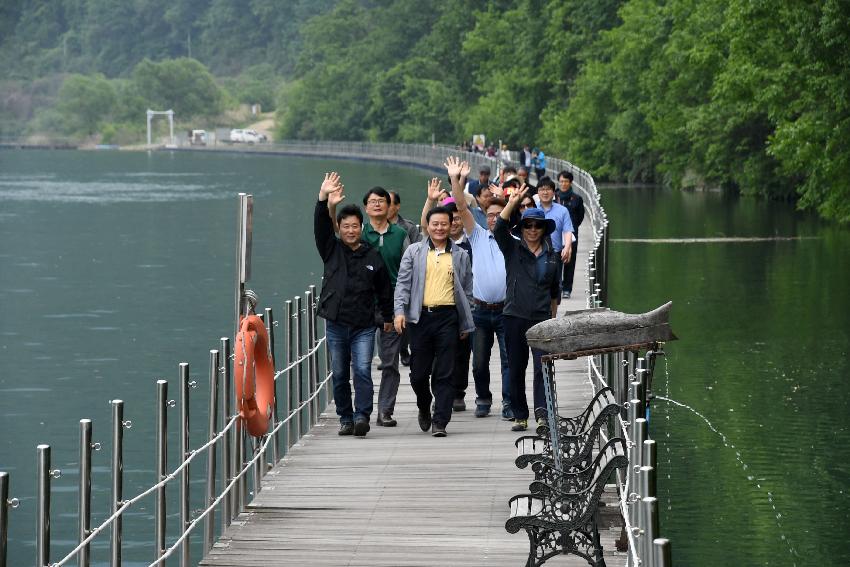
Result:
{"points": [[438, 430], [424, 420], [458, 405], [482, 410], [405, 359], [386, 420], [346, 428], [361, 428]]}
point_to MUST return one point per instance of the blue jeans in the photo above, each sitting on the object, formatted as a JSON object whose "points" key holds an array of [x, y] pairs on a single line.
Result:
{"points": [[351, 348], [487, 324]]}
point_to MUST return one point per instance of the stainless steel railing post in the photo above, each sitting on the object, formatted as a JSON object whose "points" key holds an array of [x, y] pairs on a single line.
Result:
{"points": [[308, 378], [5, 504], [275, 443], [635, 462], [117, 496], [84, 492], [289, 432], [313, 366], [299, 371], [209, 521], [161, 465], [226, 445], [185, 517], [661, 556], [314, 299], [648, 513], [42, 514]]}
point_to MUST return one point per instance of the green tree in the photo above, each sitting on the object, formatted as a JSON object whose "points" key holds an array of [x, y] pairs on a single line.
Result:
{"points": [[184, 85], [85, 103]]}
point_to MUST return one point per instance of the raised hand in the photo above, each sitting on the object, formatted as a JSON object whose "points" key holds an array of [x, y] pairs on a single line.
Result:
{"points": [[497, 190], [516, 197], [435, 190], [330, 184], [453, 166], [336, 196], [464, 169]]}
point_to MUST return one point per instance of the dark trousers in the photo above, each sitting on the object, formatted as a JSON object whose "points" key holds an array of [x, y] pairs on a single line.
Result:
{"points": [[460, 374], [433, 343], [517, 345], [570, 268]]}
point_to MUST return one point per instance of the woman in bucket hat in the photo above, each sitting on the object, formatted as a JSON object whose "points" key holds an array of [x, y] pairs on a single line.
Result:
{"points": [[533, 291]]}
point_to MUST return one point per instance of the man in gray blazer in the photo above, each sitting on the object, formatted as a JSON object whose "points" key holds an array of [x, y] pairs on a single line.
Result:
{"points": [[432, 300]]}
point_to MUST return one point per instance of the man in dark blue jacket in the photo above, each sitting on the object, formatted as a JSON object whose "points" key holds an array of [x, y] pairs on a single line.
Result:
{"points": [[355, 279]]}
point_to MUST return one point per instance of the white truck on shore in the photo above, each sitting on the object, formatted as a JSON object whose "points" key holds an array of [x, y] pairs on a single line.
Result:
{"points": [[239, 135]]}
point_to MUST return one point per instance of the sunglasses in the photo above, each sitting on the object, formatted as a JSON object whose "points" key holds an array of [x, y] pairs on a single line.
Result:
{"points": [[534, 225], [525, 205]]}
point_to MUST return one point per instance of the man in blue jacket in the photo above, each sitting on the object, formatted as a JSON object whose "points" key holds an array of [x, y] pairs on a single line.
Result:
{"points": [[355, 279]]}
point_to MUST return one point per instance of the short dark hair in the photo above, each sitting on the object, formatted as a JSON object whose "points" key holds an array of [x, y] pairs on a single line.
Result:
{"points": [[565, 174], [380, 192], [522, 168], [395, 198], [497, 201], [438, 211], [349, 210], [546, 182], [509, 169]]}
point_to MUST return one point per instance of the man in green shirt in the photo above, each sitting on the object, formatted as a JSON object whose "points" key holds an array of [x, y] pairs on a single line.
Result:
{"points": [[391, 241]]}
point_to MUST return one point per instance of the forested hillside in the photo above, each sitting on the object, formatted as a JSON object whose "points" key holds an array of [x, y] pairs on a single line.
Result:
{"points": [[745, 95]]}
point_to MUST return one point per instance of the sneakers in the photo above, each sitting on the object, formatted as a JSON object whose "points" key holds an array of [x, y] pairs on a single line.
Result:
{"points": [[520, 425], [438, 430], [458, 405], [346, 428], [386, 420], [542, 423], [507, 413], [565, 294], [424, 419], [482, 410], [361, 428]]}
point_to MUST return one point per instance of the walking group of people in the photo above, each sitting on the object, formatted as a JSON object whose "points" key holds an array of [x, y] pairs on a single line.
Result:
{"points": [[493, 258]]}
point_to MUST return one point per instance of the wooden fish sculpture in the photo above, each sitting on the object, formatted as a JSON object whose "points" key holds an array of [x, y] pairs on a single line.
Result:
{"points": [[602, 328]]}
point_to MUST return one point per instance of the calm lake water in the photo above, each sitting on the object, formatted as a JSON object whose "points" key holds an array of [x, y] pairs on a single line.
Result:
{"points": [[114, 267]]}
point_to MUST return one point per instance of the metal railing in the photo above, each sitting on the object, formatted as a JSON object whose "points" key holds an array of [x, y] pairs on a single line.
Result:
{"points": [[629, 375], [300, 394]]}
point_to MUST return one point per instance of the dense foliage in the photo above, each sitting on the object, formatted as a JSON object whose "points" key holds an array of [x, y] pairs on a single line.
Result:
{"points": [[745, 95]]}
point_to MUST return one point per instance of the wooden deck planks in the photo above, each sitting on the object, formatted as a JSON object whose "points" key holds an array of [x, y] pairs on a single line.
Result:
{"points": [[400, 497]]}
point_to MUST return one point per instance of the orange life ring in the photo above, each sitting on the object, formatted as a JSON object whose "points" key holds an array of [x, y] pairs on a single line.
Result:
{"points": [[254, 375]]}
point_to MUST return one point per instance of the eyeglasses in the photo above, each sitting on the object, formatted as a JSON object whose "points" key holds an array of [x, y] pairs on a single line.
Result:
{"points": [[525, 206], [534, 225], [376, 202]]}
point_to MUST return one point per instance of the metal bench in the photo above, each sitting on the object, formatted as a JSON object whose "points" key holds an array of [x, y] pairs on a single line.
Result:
{"points": [[576, 448], [560, 514], [560, 518]]}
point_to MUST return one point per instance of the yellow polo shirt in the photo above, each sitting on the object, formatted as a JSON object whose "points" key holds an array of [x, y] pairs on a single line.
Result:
{"points": [[439, 279]]}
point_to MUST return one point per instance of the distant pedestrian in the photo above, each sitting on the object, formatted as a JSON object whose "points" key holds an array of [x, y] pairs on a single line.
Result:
{"points": [[534, 280], [480, 189], [538, 162], [432, 300], [575, 205], [355, 280]]}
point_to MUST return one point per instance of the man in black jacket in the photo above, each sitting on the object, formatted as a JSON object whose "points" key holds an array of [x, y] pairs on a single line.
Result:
{"points": [[355, 279], [533, 289]]}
